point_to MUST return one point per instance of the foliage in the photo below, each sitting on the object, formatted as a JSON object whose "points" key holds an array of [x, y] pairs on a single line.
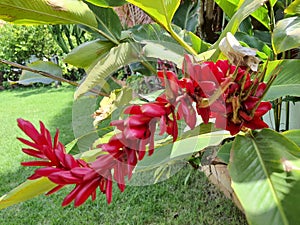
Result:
{"points": [[230, 94], [21, 43]]}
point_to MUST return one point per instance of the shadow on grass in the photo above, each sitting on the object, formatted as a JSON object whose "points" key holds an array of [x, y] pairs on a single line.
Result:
{"points": [[28, 91], [63, 122]]}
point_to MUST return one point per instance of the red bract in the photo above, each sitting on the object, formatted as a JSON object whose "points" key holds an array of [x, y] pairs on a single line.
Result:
{"points": [[227, 93], [62, 168]]}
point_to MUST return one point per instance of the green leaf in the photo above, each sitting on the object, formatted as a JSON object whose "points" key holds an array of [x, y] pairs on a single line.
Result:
{"points": [[164, 51], [190, 145], [108, 22], [70, 146], [265, 172], [231, 6], [262, 15], [293, 8], [159, 44], [254, 42], [118, 56], [224, 152], [26, 191], [286, 34], [199, 45], [28, 77], [293, 135], [88, 53], [162, 11], [187, 15], [248, 7], [287, 81], [47, 12], [149, 32], [107, 3]]}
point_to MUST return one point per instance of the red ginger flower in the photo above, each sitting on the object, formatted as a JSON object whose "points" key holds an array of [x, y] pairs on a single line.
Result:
{"points": [[62, 168]]}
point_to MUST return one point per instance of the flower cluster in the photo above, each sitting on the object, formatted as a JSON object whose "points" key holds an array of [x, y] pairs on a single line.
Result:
{"points": [[62, 168], [227, 93], [218, 90]]}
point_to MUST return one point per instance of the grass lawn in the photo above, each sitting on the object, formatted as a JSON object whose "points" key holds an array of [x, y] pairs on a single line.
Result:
{"points": [[169, 202]]}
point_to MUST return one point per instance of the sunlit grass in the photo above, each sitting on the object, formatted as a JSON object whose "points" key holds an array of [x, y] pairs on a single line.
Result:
{"points": [[169, 202]]}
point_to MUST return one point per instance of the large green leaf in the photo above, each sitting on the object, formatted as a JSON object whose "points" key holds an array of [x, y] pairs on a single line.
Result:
{"points": [[47, 12], [107, 3], [187, 15], [159, 44], [254, 42], [26, 191], [109, 24], [164, 51], [88, 53], [248, 7], [293, 8], [117, 57], [28, 78], [190, 145], [154, 32], [231, 6], [162, 11], [149, 32], [293, 135], [287, 81], [265, 172], [286, 34]]}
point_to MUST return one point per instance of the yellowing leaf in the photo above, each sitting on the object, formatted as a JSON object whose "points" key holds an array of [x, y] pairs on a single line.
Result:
{"points": [[25, 191]]}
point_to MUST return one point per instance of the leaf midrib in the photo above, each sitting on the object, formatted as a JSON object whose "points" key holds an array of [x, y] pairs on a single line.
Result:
{"points": [[271, 185]]}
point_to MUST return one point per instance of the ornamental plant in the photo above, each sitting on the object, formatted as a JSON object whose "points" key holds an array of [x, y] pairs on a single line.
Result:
{"points": [[207, 89]]}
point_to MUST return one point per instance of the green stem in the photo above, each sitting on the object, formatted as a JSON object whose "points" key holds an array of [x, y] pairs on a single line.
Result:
{"points": [[272, 16], [182, 42], [287, 118]]}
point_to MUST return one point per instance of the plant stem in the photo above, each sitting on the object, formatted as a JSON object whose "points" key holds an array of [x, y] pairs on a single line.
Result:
{"points": [[277, 113], [287, 118], [49, 75], [182, 42]]}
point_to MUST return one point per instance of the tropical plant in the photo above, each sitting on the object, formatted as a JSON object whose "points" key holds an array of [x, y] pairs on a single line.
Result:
{"points": [[209, 110], [20, 44]]}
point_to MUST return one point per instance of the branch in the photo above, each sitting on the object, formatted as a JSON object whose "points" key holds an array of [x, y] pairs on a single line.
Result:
{"points": [[49, 75]]}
